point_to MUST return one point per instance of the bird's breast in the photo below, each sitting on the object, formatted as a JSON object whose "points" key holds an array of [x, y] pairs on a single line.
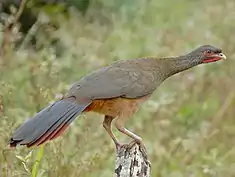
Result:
{"points": [[116, 106]]}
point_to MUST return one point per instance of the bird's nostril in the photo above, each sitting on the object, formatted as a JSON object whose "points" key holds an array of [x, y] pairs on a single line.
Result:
{"points": [[222, 55]]}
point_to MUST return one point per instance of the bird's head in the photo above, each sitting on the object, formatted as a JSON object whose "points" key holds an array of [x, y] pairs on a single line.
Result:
{"points": [[201, 55], [207, 54]]}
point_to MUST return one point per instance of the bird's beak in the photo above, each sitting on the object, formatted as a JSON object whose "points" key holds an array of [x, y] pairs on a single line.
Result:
{"points": [[215, 57], [221, 55]]}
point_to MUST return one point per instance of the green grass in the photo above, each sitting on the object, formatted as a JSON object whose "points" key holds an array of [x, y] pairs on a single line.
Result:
{"points": [[188, 125]]}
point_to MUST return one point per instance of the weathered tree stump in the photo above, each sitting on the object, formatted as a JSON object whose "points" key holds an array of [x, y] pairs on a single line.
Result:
{"points": [[131, 162]]}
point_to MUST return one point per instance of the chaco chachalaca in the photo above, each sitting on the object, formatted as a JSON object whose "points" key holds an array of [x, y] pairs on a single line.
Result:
{"points": [[116, 91]]}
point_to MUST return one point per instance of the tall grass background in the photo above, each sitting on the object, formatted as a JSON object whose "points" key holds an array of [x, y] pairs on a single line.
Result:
{"points": [[188, 125]]}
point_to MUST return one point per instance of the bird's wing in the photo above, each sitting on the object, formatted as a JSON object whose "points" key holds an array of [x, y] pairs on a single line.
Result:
{"points": [[115, 81]]}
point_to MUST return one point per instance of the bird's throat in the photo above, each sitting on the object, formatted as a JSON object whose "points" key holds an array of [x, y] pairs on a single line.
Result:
{"points": [[178, 64]]}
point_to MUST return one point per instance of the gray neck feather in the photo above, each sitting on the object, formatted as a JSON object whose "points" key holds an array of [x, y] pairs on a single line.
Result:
{"points": [[178, 64]]}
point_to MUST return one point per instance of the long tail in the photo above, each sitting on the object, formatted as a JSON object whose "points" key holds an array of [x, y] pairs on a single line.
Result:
{"points": [[48, 124]]}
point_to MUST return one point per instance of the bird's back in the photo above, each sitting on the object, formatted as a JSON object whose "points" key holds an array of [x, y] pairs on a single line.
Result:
{"points": [[128, 79]]}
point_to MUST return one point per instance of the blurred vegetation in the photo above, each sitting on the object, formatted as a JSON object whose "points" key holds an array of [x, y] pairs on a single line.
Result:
{"points": [[188, 125]]}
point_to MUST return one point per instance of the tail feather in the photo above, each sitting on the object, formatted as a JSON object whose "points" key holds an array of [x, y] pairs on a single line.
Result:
{"points": [[52, 128], [61, 129], [50, 132], [46, 124], [56, 133]]}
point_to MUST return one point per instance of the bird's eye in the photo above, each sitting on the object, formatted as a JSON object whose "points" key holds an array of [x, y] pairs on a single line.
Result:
{"points": [[208, 51]]}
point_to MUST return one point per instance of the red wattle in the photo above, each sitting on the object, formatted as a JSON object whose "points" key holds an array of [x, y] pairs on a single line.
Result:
{"points": [[211, 60]]}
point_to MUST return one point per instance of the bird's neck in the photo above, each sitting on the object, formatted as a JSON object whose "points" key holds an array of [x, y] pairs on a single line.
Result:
{"points": [[175, 65]]}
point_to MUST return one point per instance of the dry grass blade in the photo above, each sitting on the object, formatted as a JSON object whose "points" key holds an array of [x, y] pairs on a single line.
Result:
{"points": [[8, 29]]}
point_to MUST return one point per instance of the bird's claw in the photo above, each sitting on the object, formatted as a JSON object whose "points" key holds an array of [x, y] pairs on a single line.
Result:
{"points": [[143, 150], [126, 146], [131, 145]]}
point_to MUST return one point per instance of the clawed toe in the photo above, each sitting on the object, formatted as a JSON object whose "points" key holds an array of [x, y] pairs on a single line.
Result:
{"points": [[126, 146], [131, 144], [143, 150]]}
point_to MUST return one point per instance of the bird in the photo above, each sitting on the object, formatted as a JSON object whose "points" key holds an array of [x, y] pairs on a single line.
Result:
{"points": [[115, 91]]}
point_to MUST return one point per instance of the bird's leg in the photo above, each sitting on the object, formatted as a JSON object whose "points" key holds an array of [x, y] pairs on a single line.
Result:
{"points": [[107, 125], [120, 126]]}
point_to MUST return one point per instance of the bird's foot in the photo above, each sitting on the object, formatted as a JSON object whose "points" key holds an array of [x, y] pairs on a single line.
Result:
{"points": [[125, 146], [143, 150], [131, 145]]}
